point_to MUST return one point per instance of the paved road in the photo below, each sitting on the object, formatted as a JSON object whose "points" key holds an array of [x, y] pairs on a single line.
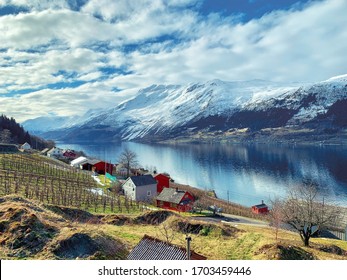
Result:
{"points": [[232, 220]]}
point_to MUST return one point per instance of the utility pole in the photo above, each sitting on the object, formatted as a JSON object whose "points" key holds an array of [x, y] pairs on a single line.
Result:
{"points": [[189, 239]]}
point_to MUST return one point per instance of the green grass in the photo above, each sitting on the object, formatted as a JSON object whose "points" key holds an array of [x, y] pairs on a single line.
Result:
{"points": [[244, 246]]}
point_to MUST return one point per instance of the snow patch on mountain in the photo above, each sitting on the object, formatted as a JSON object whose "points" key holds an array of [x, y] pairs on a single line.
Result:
{"points": [[164, 109]]}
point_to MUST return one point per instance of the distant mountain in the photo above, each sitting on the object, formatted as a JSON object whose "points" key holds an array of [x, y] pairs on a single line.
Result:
{"points": [[200, 110], [13, 133], [43, 124]]}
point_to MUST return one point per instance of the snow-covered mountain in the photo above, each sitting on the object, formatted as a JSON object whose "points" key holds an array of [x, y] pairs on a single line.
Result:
{"points": [[164, 112], [46, 123]]}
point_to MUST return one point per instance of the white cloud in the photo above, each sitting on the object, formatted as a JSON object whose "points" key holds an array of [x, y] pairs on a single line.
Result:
{"points": [[36, 4], [295, 45]]}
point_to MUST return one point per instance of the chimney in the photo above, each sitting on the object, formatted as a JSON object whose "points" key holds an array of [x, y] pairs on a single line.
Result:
{"points": [[188, 238], [262, 201]]}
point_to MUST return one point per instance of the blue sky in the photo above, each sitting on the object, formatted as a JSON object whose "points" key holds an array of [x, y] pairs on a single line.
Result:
{"points": [[65, 57]]}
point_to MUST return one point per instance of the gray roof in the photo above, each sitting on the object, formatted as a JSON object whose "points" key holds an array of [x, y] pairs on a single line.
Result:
{"points": [[92, 161], [143, 180], [259, 206], [171, 195], [45, 150], [150, 248]]}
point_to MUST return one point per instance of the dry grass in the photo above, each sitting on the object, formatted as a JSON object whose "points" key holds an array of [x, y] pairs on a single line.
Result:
{"points": [[102, 234]]}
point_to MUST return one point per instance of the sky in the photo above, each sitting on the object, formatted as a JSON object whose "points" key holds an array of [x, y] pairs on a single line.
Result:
{"points": [[64, 57]]}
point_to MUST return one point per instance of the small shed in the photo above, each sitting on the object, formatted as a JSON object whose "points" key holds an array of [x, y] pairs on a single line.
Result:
{"points": [[163, 181], [174, 199], [260, 208], [150, 248], [140, 188]]}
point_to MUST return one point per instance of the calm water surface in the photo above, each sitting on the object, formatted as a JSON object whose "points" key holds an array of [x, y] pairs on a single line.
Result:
{"points": [[245, 174]]}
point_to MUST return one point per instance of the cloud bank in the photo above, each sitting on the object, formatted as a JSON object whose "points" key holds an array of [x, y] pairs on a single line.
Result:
{"points": [[70, 56]]}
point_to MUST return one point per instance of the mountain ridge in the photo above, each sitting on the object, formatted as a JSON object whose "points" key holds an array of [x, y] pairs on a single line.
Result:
{"points": [[166, 112]]}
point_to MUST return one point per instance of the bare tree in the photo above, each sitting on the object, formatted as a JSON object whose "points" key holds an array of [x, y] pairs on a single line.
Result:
{"points": [[307, 212], [128, 159], [276, 215], [167, 232]]}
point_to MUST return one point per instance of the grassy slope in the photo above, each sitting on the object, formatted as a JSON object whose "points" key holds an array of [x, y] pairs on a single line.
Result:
{"points": [[54, 226], [221, 242]]}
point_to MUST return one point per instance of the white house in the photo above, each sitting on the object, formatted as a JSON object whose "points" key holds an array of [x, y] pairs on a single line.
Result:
{"points": [[55, 152], [26, 146], [140, 188]]}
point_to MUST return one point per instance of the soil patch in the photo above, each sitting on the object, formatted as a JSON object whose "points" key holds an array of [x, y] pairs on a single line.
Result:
{"points": [[205, 229], [116, 220], [285, 252], [82, 245], [79, 245], [154, 217], [72, 214], [333, 249], [23, 232]]}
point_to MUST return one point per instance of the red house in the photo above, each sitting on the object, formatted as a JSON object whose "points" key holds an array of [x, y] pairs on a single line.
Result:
{"points": [[101, 167], [69, 154], [175, 199], [260, 208], [163, 181]]}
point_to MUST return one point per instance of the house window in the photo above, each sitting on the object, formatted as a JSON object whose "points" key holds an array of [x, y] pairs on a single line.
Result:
{"points": [[148, 193]]}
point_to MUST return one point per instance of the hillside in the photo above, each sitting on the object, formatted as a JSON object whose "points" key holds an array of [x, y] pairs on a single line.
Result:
{"points": [[30, 230], [217, 110], [51, 211], [14, 133]]}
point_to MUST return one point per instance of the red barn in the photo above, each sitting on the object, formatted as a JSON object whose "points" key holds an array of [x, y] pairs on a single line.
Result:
{"points": [[260, 208], [175, 199], [101, 167], [163, 181]]}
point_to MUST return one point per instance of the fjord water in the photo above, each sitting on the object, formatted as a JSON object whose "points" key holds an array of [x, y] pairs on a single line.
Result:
{"points": [[241, 173]]}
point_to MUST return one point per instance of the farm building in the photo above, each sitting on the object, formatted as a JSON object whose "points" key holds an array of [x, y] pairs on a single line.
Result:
{"points": [[44, 151], [55, 152], [175, 199], [150, 248], [260, 208], [140, 188], [26, 146], [101, 167], [70, 154], [78, 162], [163, 181]]}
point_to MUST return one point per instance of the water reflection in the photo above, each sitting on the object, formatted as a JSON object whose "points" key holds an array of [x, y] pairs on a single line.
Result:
{"points": [[245, 174]]}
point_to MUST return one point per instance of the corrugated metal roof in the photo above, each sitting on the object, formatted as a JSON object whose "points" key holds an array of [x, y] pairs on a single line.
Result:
{"points": [[143, 180], [171, 195], [150, 248]]}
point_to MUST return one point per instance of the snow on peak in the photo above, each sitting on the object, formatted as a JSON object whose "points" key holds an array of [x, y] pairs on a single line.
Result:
{"points": [[340, 78]]}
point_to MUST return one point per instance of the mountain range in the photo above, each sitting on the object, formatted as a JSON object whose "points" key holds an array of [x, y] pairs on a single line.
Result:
{"points": [[241, 110]]}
